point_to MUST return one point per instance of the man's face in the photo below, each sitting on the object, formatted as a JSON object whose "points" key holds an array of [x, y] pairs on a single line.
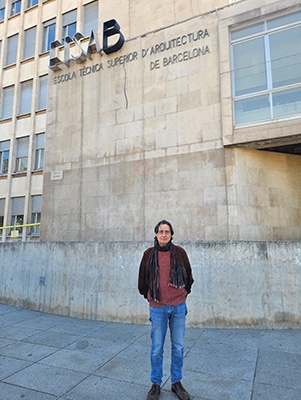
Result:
{"points": [[164, 235]]}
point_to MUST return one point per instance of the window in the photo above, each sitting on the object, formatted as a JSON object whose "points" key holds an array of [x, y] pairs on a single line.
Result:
{"points": [[7, 102], [90, 17], [22, 154], [266, 65], [43, 93], [25, 97], [11, 52], [69, 24], [17, 214], [31, 3], [2, 9], [29, 43], [2, 204], [39, 151], [4, 157], [48, 34], [36, 208], [15, 7]]}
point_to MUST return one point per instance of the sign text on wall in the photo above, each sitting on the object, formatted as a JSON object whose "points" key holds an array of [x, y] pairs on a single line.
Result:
{"points": [[179, 49], [110, 28]]}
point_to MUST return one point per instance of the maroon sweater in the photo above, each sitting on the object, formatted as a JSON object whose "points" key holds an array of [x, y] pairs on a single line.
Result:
{"points": [[168, 294]]}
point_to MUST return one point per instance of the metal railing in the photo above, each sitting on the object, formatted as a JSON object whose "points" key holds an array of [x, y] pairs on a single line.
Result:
{"points": [[15, 229]]}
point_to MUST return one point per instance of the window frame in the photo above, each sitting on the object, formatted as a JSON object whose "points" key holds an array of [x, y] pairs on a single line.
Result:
{"points": [[36, 212], [15, 7], [29, 3], [39, 151], [4, 151], [29, 43], [2, 14], [90, 24], [261, 104], [42, 96], [21, 160], [69, 19], [48, 37], [2, 209], [7, 102], [11, 50], [16, 217], [25, 97]]}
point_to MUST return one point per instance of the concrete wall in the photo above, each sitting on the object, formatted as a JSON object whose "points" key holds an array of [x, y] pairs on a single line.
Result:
{"points": [[243, 284], [263, 195]]}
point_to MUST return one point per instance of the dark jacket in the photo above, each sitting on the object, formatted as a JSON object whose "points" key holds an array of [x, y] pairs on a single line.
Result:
{"points": [[144, 270]]}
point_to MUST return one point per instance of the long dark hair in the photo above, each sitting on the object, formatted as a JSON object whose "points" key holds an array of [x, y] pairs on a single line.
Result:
{"points": [[163, 222]]}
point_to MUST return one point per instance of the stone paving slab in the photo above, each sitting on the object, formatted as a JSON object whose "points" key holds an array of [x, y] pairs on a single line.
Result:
{"points": [[51, 357], [13, 392]]}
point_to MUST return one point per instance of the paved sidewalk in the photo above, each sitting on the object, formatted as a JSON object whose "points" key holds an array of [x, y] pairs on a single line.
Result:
{"points": [[46, 357]]}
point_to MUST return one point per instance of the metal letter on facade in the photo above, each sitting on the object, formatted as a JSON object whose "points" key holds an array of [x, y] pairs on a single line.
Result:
{"points": [[54, 60], [111, 28]]}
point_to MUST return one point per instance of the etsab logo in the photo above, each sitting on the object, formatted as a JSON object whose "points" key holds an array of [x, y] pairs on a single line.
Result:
{"points": [[110, 28]]}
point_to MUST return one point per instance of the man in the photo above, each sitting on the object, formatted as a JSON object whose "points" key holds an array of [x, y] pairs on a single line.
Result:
{"points": [[165, 280]]}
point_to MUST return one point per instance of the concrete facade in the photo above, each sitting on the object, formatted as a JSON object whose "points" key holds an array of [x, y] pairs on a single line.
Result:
{"points": [[147, 133], [237, 284]]}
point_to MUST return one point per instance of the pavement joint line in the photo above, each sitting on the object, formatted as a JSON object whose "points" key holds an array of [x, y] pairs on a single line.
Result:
{"points": [[218, 363]]}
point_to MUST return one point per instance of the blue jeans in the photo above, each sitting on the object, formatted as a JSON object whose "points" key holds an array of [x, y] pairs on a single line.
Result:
{"points": [[160, 317]]}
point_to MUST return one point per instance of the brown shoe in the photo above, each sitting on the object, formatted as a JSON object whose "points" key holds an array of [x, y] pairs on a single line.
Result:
{"points": [[179, 390], [154, 392]]}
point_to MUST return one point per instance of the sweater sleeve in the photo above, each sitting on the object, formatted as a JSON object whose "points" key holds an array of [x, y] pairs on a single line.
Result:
{"points": [[142, 276], [188, 272]]}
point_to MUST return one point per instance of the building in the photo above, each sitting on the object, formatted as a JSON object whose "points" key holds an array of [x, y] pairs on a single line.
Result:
{"points": [[115, 115]]}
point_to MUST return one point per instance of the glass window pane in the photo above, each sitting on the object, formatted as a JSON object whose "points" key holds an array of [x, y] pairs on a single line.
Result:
{"points": [[252, 109], [43, 93], [287, 102], [40, 141], [249, 67], [284, 20], [18, 205], [17, 215], [15, 7], [22, 154], [36, 204], [69, 30], [39, 159], [2, 203], [25, 97], [29, 43], [39, 151], [11, 52], [69, 17], [4, 145], [31, 3], [4, 157], [285, 48], [4, 160], [48, 35], [7, 102], [22, 147], [90, 17], [248, 31], [2, 13]]}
